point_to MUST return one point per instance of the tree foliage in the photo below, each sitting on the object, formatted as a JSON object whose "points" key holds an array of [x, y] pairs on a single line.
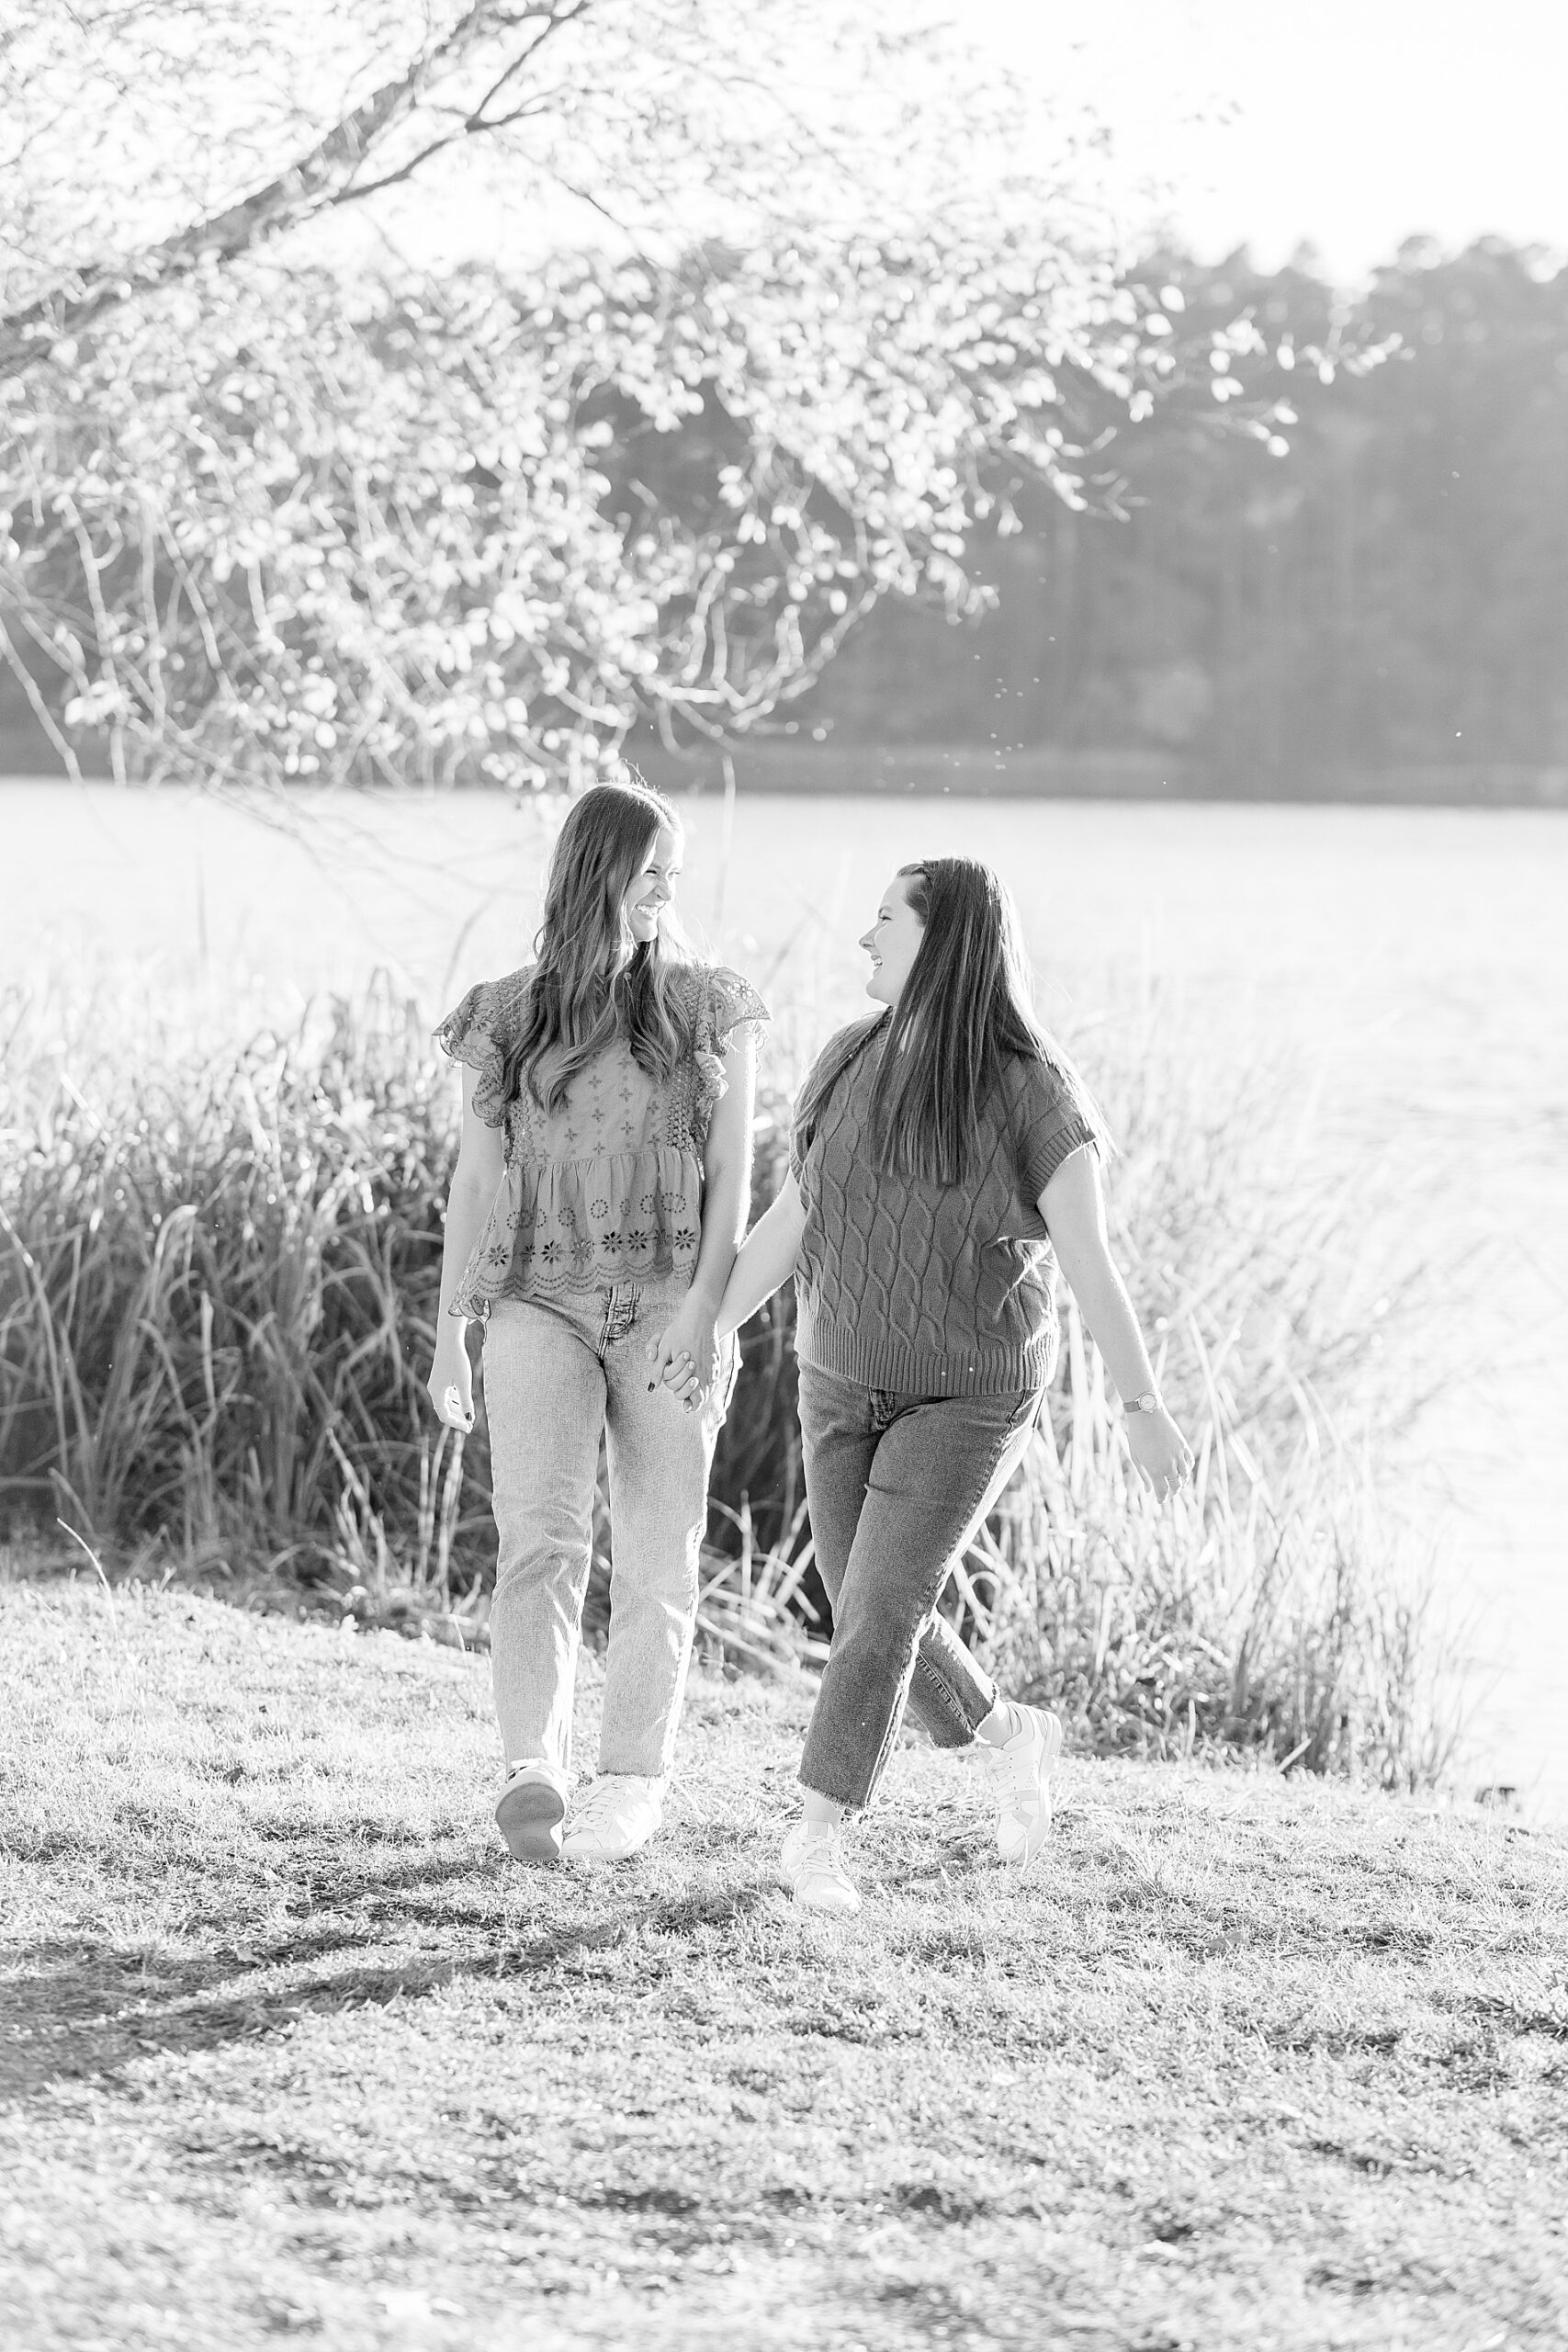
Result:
{"points": [[261, 527], [270, 515], [1382, 581], [142, 140]]}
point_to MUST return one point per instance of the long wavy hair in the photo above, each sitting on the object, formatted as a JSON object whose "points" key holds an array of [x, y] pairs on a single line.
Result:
{"points": [[964, 1012], [593, 980]]}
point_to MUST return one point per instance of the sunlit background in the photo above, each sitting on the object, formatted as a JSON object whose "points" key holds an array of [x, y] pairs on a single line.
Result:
{"points": [[1259, 626], [1344, 127]]}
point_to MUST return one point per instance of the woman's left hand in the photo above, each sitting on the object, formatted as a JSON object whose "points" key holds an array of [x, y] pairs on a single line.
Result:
{"points": [[683, 1355], [1161, 1455]]}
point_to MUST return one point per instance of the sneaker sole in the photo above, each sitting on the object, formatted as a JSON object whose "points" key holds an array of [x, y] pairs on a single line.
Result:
{"points": [[529, 1819]]}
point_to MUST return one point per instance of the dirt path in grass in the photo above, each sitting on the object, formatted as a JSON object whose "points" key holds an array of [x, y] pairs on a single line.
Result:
{"points": [[289, 2048]]}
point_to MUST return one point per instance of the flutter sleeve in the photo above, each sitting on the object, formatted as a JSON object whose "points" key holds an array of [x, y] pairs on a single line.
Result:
{"points": [[726, 1002], [732, 1001], [478, 1030], [1053, 1128]]}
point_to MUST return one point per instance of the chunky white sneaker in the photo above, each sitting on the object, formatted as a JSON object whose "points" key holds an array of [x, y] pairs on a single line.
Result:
{"points": [[531, 1808], [812, 1860], [1023, 1770], [619, 1814]]}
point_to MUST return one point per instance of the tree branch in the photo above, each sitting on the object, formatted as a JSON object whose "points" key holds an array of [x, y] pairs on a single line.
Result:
{"points": [[318, 180], [41, 710]]}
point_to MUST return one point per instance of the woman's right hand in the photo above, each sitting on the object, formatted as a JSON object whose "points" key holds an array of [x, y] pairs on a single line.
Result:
{"points": [[451, 1384]]}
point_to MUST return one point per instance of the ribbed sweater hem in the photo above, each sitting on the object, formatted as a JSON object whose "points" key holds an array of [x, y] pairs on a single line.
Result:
{"points": [[878, 1360]]}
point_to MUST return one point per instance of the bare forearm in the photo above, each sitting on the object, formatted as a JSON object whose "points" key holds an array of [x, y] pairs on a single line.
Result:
{"points": [[1102, 1299], [724, 1215], [468, 1206], [766, 1259], [1075, 1218]]}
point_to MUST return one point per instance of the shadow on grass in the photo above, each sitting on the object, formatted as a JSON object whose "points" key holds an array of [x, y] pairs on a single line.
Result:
{"points": [[82, 2008], [77, 2009], [75, 2012], [581, 1943]]}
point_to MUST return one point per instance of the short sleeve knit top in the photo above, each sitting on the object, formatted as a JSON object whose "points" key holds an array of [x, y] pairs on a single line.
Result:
{"points": [[609, 1187], [937, 1290]]}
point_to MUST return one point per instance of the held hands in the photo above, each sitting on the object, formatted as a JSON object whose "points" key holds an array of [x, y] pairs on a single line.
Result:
{"points": [[451, 1384], [1161, 1455], [683, 1355]]}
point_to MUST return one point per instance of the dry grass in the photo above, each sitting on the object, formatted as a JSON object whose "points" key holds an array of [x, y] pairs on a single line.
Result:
{"points": [[291, 2051], [218, 1283]]}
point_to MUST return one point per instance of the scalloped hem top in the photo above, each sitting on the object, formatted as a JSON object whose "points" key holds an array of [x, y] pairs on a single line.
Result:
{"points": [[609, 1187]]}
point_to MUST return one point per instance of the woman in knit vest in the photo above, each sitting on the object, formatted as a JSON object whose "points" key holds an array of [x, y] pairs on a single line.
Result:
{"points": [[941, 1149]]}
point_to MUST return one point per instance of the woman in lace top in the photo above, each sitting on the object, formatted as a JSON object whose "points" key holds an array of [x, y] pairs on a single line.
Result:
{"points": [[600, 1194]]}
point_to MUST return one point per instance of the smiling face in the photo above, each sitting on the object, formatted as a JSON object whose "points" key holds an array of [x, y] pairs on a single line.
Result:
{"points": [[892, 942], [653, 888]]}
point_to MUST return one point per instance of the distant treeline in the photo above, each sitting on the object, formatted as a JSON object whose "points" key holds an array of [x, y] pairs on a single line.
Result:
{"points": [[1389, 593], [1331, 554]]}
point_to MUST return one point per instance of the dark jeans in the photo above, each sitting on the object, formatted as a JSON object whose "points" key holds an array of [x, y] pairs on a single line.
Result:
{"points": [[897, 1486]]}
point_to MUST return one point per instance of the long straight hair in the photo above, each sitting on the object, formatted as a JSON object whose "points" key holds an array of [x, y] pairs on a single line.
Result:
{"points": [[593, 980], [964, 1012]]}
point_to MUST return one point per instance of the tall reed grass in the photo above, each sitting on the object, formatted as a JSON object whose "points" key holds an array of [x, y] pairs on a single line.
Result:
{"points": [[218, 1283]]}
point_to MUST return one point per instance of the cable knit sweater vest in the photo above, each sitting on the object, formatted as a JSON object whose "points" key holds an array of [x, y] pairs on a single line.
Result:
{"points": [[932, 1290]]}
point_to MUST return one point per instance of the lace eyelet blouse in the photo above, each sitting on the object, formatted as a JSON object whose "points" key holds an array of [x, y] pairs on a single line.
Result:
{"points": [[609, 1188]]}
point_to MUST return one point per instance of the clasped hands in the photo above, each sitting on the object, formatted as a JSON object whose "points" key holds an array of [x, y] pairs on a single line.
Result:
{"points": [[682, 1358]]}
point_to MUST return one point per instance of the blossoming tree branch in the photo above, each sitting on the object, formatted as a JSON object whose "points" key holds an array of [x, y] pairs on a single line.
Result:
{"points": [[279, 499]]}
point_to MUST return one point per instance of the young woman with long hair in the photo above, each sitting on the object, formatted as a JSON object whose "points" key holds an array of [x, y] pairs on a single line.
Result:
{"points": [[941, 1150], [601, 1188]]}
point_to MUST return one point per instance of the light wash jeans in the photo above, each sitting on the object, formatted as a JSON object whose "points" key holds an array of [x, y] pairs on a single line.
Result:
{"points": [[897, 1486], [557, 1376]]}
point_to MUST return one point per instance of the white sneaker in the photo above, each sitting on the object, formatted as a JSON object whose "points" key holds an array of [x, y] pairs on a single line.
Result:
{"points": [[812, 1860], [619, 1814], [531, 1808], [1023, 1770]]}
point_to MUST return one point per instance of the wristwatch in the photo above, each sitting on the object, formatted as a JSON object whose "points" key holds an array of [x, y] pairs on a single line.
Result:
{"points": [[1147, 1403]]}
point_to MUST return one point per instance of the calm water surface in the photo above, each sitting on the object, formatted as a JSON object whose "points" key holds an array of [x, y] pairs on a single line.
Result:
{"points": [[1417, 959]]}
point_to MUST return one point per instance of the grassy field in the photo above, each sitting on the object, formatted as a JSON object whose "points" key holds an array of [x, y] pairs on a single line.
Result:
{"points": [[218, 1290], [290, 2050], [1404, 973]]}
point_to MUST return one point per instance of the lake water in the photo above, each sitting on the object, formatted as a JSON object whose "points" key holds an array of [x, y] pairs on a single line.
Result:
{"points": [[1417, 959]]}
